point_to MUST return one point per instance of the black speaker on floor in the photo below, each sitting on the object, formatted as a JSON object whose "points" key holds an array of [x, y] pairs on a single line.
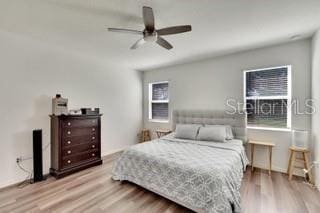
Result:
{"points": [[37, 156]]}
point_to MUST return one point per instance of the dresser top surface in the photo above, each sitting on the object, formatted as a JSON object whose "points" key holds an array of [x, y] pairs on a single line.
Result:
{"points": [[75, 116]]}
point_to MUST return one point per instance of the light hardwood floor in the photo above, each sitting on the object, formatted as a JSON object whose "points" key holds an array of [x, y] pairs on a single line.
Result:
{"points": [[93, 190]]}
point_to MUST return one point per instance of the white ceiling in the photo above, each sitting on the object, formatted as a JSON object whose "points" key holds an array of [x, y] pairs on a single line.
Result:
{"points": [[219, 26]]}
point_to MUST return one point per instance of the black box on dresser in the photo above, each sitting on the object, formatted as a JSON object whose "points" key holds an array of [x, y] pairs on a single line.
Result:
{"points": [[75, 143]]}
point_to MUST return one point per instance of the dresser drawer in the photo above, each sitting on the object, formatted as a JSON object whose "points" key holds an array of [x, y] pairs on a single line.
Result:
{"points": [[72, 132], [80, 158], [73, 150], [76, 140], [92, 122]]}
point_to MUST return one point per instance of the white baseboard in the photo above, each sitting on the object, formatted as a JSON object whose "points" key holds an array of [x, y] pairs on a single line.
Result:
{"points": [[109, 152], [278, 169]]}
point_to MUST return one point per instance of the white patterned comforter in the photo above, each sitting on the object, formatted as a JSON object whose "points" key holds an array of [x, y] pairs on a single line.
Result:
{"points": [[203, 176]]}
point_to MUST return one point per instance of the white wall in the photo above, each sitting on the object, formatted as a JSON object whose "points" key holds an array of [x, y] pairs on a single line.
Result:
{"points": [[32, 72], [207, 84], [316, 96]]}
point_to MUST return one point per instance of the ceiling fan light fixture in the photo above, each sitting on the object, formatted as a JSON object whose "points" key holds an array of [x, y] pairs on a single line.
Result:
{"points": [[151, 37], [150, 34]]}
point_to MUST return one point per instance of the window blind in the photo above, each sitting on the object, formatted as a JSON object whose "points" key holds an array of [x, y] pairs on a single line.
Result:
{"points": [[160, 91], [267, 95], [159, 103], [272, 82], [159, 110]]}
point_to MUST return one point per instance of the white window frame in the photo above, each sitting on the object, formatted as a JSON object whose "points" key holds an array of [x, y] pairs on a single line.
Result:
{"points": [[151, 101], [288, 97]]}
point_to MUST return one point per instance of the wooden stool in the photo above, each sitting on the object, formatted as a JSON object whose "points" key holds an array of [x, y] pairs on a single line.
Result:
{"points": [[145, 135], [267, 144], [304, 153]]}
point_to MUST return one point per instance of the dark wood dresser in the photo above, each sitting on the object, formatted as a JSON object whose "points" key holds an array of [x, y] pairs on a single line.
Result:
{"points": [[75, 143]]}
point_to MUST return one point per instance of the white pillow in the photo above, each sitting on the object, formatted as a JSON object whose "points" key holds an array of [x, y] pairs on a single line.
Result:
{"points": [[187, 131], [214, 133], [229, 131]]}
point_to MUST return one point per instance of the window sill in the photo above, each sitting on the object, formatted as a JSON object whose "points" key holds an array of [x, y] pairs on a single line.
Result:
{"points": [[270, 129], [158, 121]]}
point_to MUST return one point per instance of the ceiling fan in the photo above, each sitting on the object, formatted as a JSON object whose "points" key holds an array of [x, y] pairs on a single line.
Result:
{"points": [[150, 34]]}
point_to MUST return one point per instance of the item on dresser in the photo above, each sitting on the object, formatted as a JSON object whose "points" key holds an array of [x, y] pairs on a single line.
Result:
{"points": [[90, 111], [59, 105], [75, 143], [75, 112]]}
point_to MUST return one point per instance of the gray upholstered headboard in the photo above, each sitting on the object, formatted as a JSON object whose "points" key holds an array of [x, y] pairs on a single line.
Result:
{"points": [[237, 121]]}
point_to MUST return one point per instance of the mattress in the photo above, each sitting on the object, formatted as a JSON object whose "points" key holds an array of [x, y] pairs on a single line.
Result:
{"points": [[200, 175]]}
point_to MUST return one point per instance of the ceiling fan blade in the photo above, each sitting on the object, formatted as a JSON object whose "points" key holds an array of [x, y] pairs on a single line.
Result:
{"points": [[120, 30], [174, 30], [148, 18], [138, 44], [164, 43]]}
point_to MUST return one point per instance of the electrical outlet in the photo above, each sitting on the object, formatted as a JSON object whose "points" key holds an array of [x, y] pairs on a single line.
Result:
{"points": [[316, 164], [19, 159]]}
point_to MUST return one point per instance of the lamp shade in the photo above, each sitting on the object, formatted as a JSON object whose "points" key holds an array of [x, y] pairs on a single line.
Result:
{"points": [[299, 139]]}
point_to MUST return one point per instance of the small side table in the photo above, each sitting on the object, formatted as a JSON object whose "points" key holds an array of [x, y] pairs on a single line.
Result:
{"points": [[304, 153], [260, 143], [162, 132]]}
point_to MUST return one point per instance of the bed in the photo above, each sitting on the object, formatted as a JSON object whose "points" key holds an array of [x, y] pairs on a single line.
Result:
{"points": [[200, 175]]}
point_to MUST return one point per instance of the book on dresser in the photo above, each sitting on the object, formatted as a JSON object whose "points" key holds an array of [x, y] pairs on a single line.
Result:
{"points": [[75, 143]]}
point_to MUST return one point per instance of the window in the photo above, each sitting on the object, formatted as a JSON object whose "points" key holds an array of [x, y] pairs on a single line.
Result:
{"points": [[159, 101], [267, 95]]}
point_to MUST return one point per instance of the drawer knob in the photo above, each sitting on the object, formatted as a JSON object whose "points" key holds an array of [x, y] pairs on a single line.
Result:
{"points": [[69, 124], [69, 142], [93, 129], [93, 154], [69, 161], [93, 138], [69, 151], [69, 132], [93, 146]]}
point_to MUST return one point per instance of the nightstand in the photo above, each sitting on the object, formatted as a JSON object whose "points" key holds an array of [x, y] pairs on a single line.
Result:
{"points": [[162, 132], [260, 143]]}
